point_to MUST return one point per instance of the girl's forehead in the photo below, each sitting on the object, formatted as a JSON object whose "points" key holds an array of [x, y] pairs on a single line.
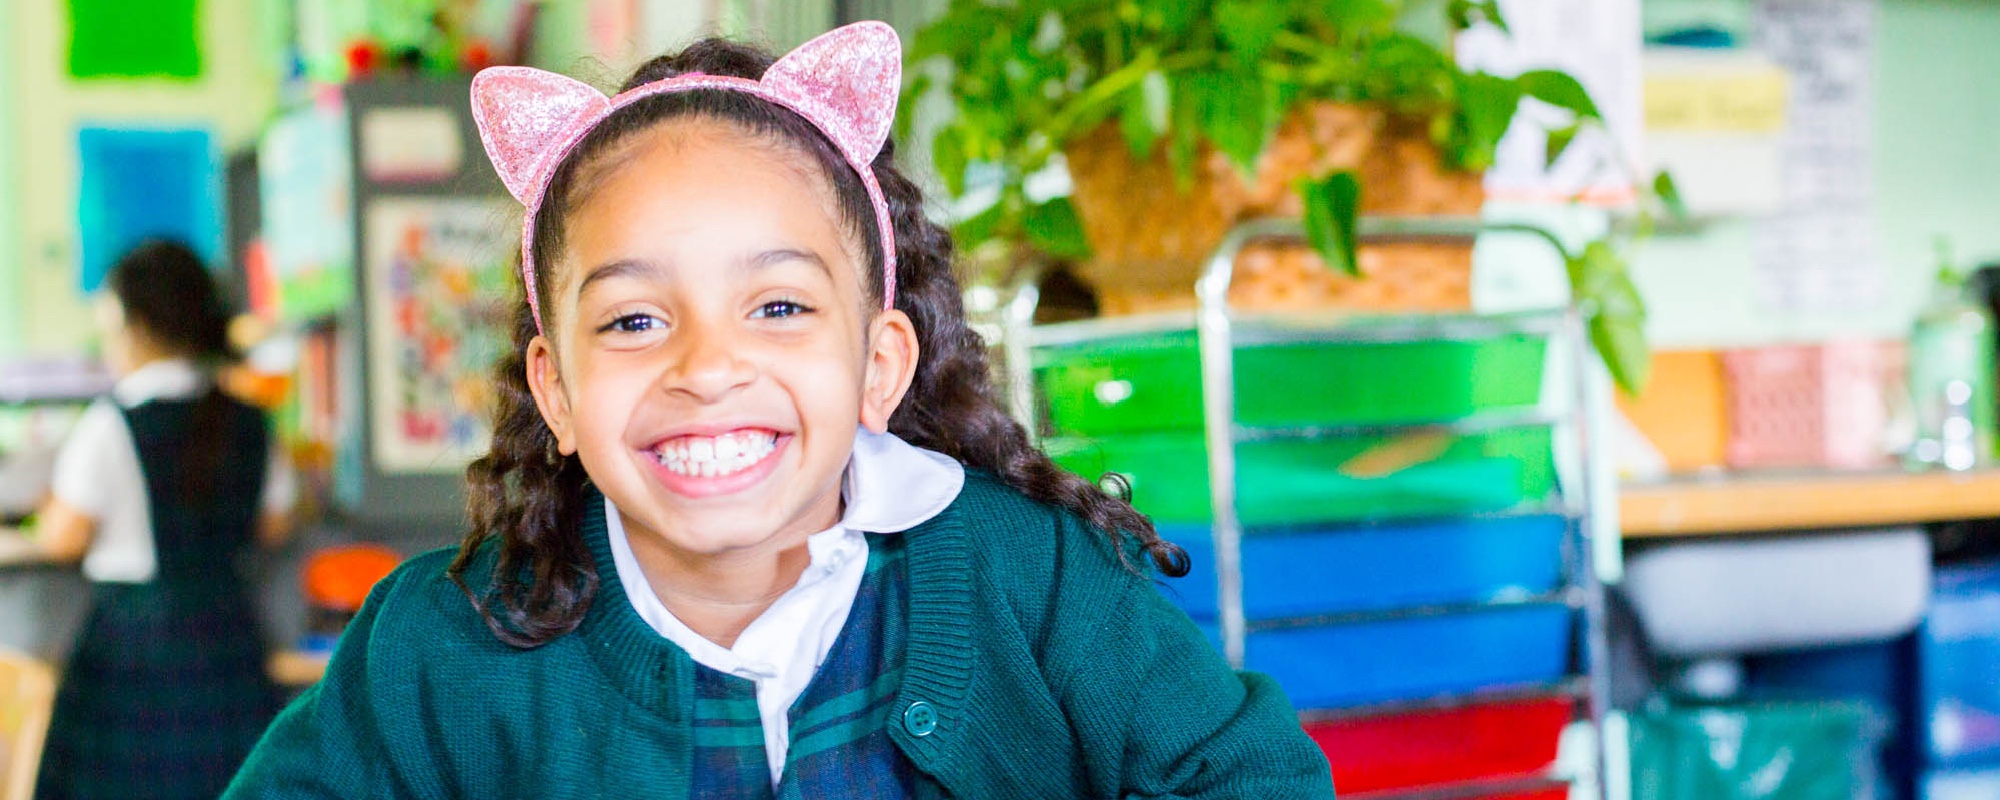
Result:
{"points": [[703, 176], [694, 139]]}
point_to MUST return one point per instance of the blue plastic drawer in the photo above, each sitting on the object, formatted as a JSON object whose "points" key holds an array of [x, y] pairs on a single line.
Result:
{"points": [[1339, 666], [1958, 656], [1337, 570]]}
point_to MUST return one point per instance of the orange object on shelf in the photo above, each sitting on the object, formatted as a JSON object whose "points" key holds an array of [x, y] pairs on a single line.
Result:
{"points": [[339, 578], [1684, 409]]}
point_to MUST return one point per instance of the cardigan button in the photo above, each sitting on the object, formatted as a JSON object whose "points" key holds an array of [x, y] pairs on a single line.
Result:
{"points": [[920, 719]]}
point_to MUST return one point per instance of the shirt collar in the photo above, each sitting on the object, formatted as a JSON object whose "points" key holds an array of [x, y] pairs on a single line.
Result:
{"points": [[165, 378], [893, 485]]}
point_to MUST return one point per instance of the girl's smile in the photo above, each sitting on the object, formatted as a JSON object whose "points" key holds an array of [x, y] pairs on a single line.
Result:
{"points": [[706, 465]]}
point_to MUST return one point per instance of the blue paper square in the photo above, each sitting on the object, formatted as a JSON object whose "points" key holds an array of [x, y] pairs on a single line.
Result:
{"points": [[144, 184]]}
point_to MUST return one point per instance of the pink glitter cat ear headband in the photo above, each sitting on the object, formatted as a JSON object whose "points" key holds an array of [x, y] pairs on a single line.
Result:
{"points": [[844, 82]]}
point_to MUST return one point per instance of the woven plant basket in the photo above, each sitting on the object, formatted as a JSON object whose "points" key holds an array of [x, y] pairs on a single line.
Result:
{"points": [[1150, 239]]}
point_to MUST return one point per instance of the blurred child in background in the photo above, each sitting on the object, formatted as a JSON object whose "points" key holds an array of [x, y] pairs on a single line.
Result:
{"points": [[158, 492]]}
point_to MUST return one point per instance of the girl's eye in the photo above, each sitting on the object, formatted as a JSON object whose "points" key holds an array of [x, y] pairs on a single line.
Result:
{"points": [[779, 309], [634, 323]]}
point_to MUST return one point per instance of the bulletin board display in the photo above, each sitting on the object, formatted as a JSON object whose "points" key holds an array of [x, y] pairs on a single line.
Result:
{"points": [[438, 277]]}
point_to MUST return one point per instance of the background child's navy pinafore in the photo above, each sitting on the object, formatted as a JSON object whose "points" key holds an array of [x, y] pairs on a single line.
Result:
{"points": [[166, 691]]}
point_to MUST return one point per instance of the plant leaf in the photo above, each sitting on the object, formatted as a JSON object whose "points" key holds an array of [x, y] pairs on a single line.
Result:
{"points": [[1561, 90], [979, 228], [1601, 285], [948, 158], [1233, 115], [1054, 227], [1464, 13], [1086, 109], [1144, 118], [1248, 26], [1559, 142], [1486, 106], [1670, 195], [1176, 16], [1621, 342], [1332, 206], [1460, 14]]}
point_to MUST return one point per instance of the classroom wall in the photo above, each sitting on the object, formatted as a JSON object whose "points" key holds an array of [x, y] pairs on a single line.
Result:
{"points": [[232, 99], [10, 263], [1937, 171]]}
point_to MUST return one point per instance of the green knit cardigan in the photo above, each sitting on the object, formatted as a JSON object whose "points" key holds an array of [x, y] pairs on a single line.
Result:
{"points": [[1037, 666]]}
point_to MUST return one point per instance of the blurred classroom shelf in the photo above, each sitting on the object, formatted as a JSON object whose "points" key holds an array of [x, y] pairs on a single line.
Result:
{"points": [[1757, 502], [296, 669]]}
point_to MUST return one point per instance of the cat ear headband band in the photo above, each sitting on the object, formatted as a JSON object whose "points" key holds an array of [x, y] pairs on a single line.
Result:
{"points": [[844, 82]]}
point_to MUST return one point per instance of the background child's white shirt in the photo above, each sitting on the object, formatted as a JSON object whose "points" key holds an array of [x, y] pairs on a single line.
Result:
{"points": [[891, 486], [97, 472]]}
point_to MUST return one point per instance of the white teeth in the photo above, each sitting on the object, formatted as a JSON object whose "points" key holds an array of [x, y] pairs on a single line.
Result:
{"points": [[708, 457]]}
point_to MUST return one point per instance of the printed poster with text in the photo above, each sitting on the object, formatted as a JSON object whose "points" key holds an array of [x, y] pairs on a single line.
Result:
{"points": [[439, 294]]}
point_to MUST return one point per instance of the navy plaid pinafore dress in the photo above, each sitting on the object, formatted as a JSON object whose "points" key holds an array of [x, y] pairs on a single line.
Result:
{"points": [[166, 691]]}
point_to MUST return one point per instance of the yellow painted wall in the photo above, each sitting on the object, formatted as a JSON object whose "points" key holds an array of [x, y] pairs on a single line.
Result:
{"points": [[235, 95], [10, 265]]}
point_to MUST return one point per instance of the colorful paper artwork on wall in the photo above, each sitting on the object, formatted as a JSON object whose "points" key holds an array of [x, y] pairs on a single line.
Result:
{"points": [[126, 39], [304, 177], [439, 297], [136, 185]]}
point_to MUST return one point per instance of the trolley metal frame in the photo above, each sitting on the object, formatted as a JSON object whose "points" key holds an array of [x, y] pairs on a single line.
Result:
{"points": [[1220, 330]]}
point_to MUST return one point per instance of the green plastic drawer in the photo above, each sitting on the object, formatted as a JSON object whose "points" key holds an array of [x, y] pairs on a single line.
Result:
{"points": [[1286, 482], [1152, 382]]}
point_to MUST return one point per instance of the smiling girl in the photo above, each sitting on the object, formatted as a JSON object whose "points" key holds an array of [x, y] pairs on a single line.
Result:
{"points": [[752, 525]]}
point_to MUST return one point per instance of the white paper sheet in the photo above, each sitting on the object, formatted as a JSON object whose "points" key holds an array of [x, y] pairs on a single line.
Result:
{"points": [[1819, 252]]}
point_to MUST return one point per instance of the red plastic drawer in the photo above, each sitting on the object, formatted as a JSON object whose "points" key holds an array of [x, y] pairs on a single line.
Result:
{"points": [[1426, 748], [1551, 793]]}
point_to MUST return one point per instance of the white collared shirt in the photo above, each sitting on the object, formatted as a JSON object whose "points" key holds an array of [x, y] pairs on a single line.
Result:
{"points": [[97, 472], [891, 486]]}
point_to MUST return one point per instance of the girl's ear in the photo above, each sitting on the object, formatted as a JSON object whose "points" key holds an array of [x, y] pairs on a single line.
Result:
{"points": [[892, 366], [545, 382]]}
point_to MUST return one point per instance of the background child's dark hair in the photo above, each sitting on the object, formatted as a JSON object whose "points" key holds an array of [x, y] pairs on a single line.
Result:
{"points": [[165, 293], [527, 498]]}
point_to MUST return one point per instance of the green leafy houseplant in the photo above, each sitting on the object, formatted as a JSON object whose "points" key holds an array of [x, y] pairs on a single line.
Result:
{"points": [[1029, 78]]}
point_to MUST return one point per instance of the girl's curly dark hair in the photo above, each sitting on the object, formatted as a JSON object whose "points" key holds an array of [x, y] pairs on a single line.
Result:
{"points": [[526, 498]]}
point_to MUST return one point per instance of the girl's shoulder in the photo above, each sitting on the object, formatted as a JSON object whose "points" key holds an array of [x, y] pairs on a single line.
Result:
{"points": [[1015, 537], [419, 607]]}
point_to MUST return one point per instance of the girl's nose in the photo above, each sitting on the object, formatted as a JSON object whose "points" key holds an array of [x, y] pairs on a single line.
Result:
{"points": [[711, 364]]}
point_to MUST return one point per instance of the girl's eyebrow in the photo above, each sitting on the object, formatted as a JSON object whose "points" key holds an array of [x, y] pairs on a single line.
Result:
{"points": [[772, 258], [622, 268]]}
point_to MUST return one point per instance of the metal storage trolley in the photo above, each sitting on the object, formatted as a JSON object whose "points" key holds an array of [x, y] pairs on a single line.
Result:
{"points": [[1377, 498]]}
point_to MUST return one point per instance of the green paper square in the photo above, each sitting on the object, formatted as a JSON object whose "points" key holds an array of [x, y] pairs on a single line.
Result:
{"points": [[135, 39]]}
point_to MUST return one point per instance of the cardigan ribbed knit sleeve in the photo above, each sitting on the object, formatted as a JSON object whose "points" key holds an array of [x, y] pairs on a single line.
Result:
{"points": [[327, 743], [1159, 711]]}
